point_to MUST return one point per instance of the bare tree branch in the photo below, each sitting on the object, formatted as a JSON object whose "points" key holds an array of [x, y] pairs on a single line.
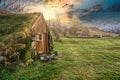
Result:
{"points": [[10, 3]]}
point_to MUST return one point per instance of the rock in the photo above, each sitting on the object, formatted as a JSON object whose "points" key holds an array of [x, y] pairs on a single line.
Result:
{"points": [[2, 58]]}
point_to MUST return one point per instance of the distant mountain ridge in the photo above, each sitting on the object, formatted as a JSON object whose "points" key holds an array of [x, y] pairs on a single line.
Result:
{"points": [[87, 32]]}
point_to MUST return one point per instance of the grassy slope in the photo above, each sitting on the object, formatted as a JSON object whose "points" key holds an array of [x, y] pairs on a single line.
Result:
{"points": [[83, 59], [13, 24]]}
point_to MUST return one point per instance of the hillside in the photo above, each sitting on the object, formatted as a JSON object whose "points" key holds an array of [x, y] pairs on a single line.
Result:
{"points": [[87, 32], [97, 32], [82, 59]]}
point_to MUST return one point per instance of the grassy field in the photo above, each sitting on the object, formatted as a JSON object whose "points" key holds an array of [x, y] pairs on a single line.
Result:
{"points": [[82, 59]]}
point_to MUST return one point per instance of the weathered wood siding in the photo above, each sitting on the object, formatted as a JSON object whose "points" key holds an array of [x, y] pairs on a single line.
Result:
{"points": [[41, 31]]}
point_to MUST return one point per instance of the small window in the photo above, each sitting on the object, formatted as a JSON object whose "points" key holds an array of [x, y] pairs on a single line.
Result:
{"points": [[39, 38]]}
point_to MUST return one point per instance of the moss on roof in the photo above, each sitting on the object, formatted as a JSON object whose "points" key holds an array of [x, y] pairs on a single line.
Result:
{"points": [[15, 22]]}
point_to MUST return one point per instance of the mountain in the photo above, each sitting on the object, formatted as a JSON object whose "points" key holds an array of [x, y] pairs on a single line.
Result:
{"points": [[87, 32], [94, 32]]}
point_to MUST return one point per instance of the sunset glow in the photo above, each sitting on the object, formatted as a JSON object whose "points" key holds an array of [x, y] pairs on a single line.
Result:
{"points": [[52, 10]]}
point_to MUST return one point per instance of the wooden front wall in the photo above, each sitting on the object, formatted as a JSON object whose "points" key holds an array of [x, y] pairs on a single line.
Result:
{"points": [[40, 29]]}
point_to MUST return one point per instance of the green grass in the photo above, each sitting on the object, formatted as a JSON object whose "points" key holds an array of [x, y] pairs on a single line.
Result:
{"points": [[82, 59]]}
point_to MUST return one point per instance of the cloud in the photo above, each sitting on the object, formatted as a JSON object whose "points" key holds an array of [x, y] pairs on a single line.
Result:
{"points": [[89, 3]]}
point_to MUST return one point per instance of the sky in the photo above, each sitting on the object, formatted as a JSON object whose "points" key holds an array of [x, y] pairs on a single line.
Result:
{"points": [[82, 4], [105, 3], [101, 20], [51, 12]]}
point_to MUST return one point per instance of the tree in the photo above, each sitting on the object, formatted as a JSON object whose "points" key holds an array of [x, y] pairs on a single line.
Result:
{"points": [[77, 29], [55, 26], [76, 25], [12, 5]]}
